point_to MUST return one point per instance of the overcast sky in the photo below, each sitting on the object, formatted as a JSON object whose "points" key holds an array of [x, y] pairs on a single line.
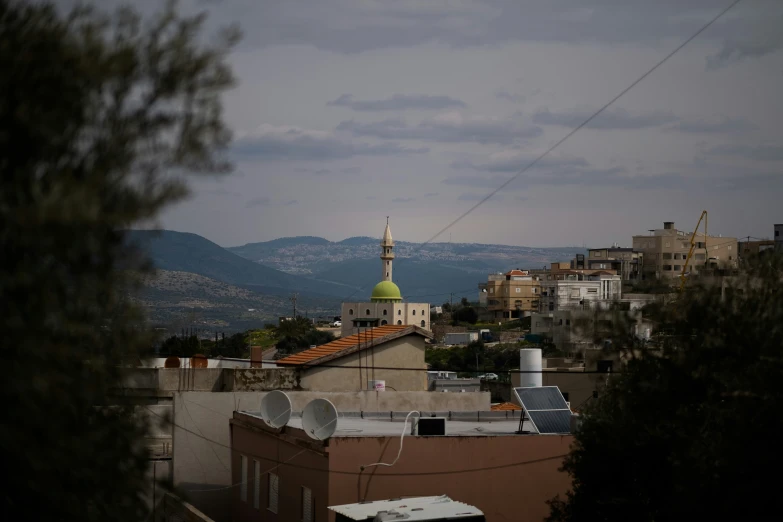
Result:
{"points": [[351, 110]]}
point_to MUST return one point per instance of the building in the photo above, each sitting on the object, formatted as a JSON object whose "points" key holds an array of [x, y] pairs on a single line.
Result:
{"points": [[779, 236], [666, 249], [352, 363], [627, 262], [481, 461], [747, 250], [511, 295], [582, 290], [386, 304]]}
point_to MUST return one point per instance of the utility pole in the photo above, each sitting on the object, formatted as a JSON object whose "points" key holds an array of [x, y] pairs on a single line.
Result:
{"points": [[293, 300]]}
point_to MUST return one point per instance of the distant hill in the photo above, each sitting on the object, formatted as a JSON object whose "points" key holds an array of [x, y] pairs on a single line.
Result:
{"points": [[185, 252]]}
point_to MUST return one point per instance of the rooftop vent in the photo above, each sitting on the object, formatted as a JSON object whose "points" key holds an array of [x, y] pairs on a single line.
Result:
{"points": [[668, 225]]}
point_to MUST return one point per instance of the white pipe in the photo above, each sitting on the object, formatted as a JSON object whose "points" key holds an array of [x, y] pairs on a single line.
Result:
{"points": [[404, 426]]}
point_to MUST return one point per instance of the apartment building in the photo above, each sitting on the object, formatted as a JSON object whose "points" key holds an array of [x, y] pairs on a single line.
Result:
{"points": [[512, 295], [627, 262], [779, 236], [666, 249], [579, 290]]}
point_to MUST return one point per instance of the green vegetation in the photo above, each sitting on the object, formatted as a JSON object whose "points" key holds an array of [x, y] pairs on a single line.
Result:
{"points": [[677, 434], [476, 358], [95, 116], [298, 334]]}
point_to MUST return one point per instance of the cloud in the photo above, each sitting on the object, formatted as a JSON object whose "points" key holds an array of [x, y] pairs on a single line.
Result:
{"points": [[513, 98], [269, 142], [478, 197], [403, 200], [752, 38], [257, 202], [751, 152], [398, 102], [617, 119], [450, 127], [430, 194], [515, 161], [724, 126]]}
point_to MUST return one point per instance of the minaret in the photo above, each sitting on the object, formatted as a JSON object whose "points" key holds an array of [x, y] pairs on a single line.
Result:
{"points": [[387, 252]]}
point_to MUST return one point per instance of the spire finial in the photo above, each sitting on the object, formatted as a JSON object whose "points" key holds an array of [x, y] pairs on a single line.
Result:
{"points": [[387, 220]]}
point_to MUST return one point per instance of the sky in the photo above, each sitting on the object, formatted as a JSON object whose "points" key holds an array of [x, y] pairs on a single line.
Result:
{"points": [[348, 111]]}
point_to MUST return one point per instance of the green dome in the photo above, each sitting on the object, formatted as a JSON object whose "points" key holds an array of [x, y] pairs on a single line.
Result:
{"points": [[386, 291]]}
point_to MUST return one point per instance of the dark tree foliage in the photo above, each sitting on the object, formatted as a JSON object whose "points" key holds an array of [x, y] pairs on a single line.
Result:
{"points": [[97, 117], [466, 314], [691, 427], [299, 334]]}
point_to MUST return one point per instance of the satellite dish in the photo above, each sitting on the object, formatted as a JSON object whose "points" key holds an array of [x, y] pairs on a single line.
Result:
{"points": [[319, 419], [276, 409]]}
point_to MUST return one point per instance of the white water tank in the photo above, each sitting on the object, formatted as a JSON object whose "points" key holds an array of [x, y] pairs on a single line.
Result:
{"points": [[378, 386], [530, 361]]}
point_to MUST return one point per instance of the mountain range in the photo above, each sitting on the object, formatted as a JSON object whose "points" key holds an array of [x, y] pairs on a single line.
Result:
{"points": [[222, 284]]}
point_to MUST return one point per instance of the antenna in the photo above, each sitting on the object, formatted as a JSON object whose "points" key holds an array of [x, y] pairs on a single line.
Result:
{"points": [[276, 409], [319, 419]]}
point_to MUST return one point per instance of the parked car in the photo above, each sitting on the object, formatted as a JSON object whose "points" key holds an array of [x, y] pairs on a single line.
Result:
{"points": [[489, 377], [337, 324]]}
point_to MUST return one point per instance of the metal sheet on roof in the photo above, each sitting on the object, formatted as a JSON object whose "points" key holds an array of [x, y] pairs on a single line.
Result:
{"points": [[415, 508]]}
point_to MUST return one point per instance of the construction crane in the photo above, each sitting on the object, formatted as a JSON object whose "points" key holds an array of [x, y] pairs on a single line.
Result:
{"points": [[693, 245]]}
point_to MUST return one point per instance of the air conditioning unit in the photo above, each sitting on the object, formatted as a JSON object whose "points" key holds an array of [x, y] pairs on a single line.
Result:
{"points": [[427, 426]]}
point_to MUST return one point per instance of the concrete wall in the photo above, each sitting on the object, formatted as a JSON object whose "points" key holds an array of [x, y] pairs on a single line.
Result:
{"points": [[202, 439], [404, 352], [509, 478], [164, 382]]}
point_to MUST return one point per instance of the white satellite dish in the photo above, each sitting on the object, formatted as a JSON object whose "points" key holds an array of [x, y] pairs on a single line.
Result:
{"points": [[276, 409], [319, 419]]}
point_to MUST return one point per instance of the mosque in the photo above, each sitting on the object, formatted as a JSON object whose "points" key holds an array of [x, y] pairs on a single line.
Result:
{"points": [[386, 306]]}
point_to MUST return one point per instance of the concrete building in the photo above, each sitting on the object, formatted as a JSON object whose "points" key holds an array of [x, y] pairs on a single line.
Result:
{"points": [[779, 236], [351, 362], [747, 250], [627, 262], [386, 304], [666, 249], [579, 290], [511, 295], [481, 461]]}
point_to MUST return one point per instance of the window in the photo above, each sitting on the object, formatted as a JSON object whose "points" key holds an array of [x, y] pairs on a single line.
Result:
{"points": [[367, 311], [667, 255], [414, 312], [667, 268], [387, 274], [592, 290], [387, 263], [777, 233], [729, 258], [384, 312], [568, 322], [350, 311], [729, 247], [243, 479], [666, 244], [491, 289], [422, 313], [307, 505], [596, 254], [256, 484], [399, 312], [274, 487], [423, 324], [677, 268], [399, 322], [518, 290]]}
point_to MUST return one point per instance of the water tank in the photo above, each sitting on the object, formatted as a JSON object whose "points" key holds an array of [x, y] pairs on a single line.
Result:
{"points": [[530, 361], [378, 385]]}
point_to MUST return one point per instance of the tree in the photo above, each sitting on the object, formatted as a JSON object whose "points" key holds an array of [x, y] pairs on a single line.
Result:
{"points": [[465, 315], [690, 427], [297, 334], [99, 119]]}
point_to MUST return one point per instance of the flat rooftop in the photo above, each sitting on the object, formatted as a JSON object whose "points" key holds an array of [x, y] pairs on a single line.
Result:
{"points": [[386, 424]]}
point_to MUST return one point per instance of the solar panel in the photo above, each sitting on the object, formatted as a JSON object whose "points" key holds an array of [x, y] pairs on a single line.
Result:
{"points": [[546, 408], [551, 421]]}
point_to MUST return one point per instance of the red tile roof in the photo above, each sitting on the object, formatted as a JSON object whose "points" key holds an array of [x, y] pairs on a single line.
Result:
{"points": [[352, 343], [516, 272], [505, 406]]}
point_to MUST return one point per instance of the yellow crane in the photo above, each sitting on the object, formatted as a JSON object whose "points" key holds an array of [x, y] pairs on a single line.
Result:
{"points": [[693, 245]]}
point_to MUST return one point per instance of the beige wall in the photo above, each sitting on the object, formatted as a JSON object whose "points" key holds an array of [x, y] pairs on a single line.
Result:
{"points": [[404, 313], [404, 352], [666, 251], [502, 296]]}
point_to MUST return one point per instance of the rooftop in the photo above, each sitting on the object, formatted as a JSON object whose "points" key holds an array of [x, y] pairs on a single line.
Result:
{"points": [[390, 424], [352, 343], [414, 508]]}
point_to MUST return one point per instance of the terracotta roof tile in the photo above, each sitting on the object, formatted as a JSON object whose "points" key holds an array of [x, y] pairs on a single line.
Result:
{"points": [[375, 335], [505, 406]]}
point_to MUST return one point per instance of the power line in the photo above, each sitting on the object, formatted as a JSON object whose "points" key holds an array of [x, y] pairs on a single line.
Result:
{"points": [[357, 473], [574, 130]]}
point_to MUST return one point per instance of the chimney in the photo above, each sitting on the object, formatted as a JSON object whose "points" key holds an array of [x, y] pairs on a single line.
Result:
{"points": [[255, 356], [668, 225]]}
